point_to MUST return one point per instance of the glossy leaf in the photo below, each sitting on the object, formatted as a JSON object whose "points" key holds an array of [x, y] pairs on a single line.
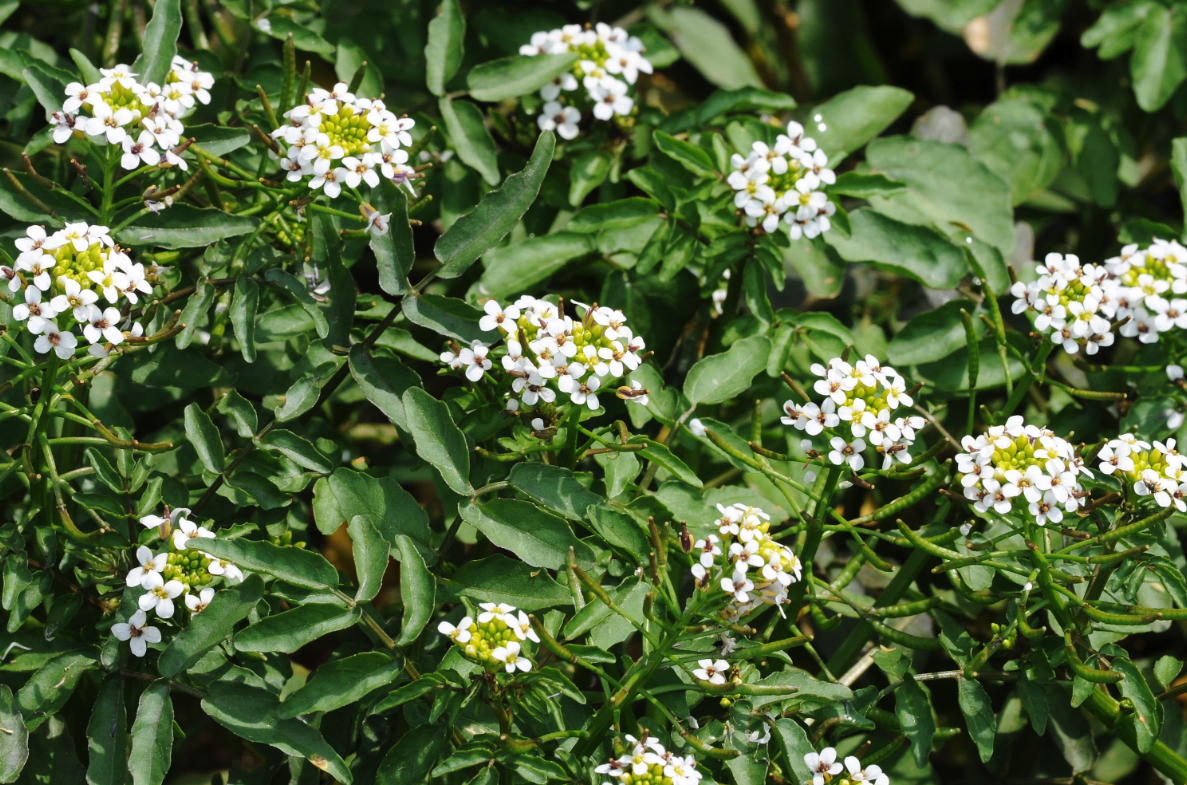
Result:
{"points": [[978, 713], [295, 288], [443, 52], [382, 500], [1146, 719], [501, 579], [14, 745], [394, 252], [471, 140], [295, 565], [159, 43], [412, 757], [913, 710], [341, 682], [514, 76], [418, 590], [296, 449], [446, 316], [370, 552], [183, 226], [536, 536], [515, 268], [917, 252], [691, 157], [1159, 62], [931, 336], [205, 438], [48, 689], [720, 377], [438, 440], [107, 734], [152, 736], [243, 316], [210, 627], [555, 487], [290, 630]]}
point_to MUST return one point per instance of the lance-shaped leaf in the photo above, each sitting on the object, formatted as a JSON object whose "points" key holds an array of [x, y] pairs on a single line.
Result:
{"points": [[913, 710], [295, 565], [511, 77], [443, 52], [152, 736], [438, 440], [418, 590], [394, 252], [183, 226], [471, 139], [1145, 718], [160, 42], [288, 631], [496, 215], [107, 734], [341, 682], [243, 316], [370, 557], [720, 377], [200, 430], [978, 713], [208, 628], [254, 714], [445, 315], [51, 686]]}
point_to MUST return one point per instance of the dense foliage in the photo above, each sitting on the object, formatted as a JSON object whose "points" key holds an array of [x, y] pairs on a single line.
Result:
{"points": [[611, 393]]}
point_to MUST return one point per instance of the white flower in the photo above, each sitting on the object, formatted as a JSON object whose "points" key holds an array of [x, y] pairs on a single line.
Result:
{"points": [[712, 672], [490, 611], [562, 119], [585, 392], [51, 338], [199, 602], [159, 595], [103, 324], [148, 564], [37, 312], [74, 297], [847, 452], [497, 317], [378, 224], [229, 572], [474, 360], [187, 529], [739, 585], [458, 634], [137, 632], [138, 151], [509, 655], [823, 765], [610, 98], [1173, 372]]}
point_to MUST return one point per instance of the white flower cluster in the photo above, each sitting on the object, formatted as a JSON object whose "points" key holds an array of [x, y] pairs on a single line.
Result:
{"points": [[784, 183], [646, 762], [864, 395], [143, 119], [544, 348], [337, 139], [60, 278], [825, 768], [1016, 459], [609, 62], [1141, 293], [1157, 470], [745, 561], [496, 639], [166, 575]]}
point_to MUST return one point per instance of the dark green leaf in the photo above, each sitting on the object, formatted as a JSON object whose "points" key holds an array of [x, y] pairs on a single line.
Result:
{"points": [[511, 77], [445, 315], [691, 157], [501, 579], [418, 590], [219, 139], [14, 743], [515, 268], [855, 117], [708, 45], [438, 440], [370, 552], [1071, 733], [931, 336], [1018, 141], [205, 438], [913, 710], [382, 500], [1034, 700], [1145, 719], [618, 529], [295, 565], [304, 393], [917, 252], [288, 631], [536, 536], [794, 741], [588, 171], [555, 487], [211, 626], [1166, 670], [243, 316], [51, 686], [152, 736], [443, 52], [254, 714], [747, 99], [107, 734], [341, 682], [298, 450], [296, 288], [394, 252], [383, 380], [978, 713], [413, 757], [622, 214], [304, 37], [46, 85], [864, 186], [1159, 62], [183, 226], [720, 377], [159, 43], [496, 215], [471, 140], [660, 454]]}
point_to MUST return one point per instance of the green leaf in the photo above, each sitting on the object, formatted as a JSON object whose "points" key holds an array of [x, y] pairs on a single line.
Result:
{"points": [[496, 215], [536, 536], [978, 713], [445, 315], [219, 139], [152, 736], [394, 252], [254, 714], [916, 252], [1166, 670], [470, 138], [341, 682], [409, 692], [1179, 166], [304, 38], [104, 470], [1071, 733], [383, 380], [107, 734], [863, 186], [720, 377], [588, 171], [288, 631], [438, 440], [1159, 62], [511, 269], [413, 756], [418, 591], [691, 157], [90, 74], [443, 52], [856, 116], [296, 449], [747, 99], [191, 316], [555, 487], [205, 438], [340, 305], [617, 528], [208, 628], [501, 579], [243, 316], [932, 335], [14, 745], [794, 741], [511, 77], [610, 216], [370, 552], [295, 565], [51, 686], [660, 454], [946, 188], [304, 393], [1116, 28], [913, 710], [159, 42], [1034, 700], [952, 373], [708, 45], [295, 288], [382, 500], [1145, 718], [1019, 142], [184, 226], [47, 85]]}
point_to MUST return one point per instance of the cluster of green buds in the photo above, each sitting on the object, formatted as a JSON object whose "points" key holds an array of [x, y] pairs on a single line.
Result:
{"points": [[495, 639], [1011, 636]]}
